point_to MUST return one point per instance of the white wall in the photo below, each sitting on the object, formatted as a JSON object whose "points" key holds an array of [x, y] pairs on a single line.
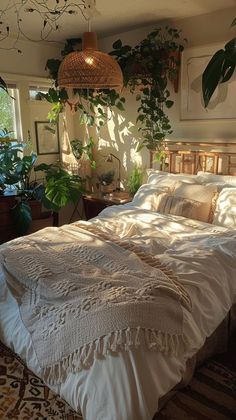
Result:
{"points": [[33, 59], [117, 137]]}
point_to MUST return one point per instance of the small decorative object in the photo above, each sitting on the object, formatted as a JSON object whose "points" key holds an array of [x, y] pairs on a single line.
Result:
{"points": [[106, 180], [135, 180], [47, 138]]}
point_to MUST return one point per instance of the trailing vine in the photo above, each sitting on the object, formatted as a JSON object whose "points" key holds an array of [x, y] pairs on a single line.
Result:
{"points": [[147, 68], [95, 106]]}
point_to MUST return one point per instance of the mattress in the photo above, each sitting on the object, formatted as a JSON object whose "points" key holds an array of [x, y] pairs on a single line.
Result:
{"points": [[129, 386]]}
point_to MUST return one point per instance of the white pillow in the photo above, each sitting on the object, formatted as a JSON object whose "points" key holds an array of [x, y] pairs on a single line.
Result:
{"points": [[209, 177], [190, 200], [156, 177], [220, 185], [225, 212], [148, 196]]}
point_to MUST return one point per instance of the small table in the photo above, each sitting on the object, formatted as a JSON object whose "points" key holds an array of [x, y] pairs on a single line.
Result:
{"points": [[94, 203]]}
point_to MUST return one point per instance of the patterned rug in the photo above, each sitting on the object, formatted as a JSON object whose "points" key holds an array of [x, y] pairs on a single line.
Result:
{"points": [[210, 395]]}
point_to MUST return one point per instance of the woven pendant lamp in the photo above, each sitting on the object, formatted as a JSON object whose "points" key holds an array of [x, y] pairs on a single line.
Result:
{"points": [[90, 68]]}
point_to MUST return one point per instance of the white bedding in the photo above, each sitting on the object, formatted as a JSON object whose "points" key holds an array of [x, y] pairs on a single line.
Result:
{"points": [[128, 386]]}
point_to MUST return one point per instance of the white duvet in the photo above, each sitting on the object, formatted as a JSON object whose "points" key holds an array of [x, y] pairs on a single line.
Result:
{"points": [[129, 386]]}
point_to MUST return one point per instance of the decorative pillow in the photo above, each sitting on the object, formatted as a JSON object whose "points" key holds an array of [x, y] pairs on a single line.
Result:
{"points": [[179, 206], [209, 177], [148, 196], [190, 200], [225, 212]]}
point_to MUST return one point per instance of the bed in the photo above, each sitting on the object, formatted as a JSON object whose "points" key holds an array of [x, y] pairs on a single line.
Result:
{"points": [[169, 282]]}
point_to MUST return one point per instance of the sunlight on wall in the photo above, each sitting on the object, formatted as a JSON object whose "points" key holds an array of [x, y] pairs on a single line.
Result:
{"points": [[121, 137]]}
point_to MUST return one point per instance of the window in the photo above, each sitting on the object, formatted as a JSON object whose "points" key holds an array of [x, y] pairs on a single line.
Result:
{"points": [[34, 92], [9, 113]]}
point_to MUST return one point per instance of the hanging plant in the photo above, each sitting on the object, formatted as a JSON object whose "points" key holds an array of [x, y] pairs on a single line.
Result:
{"points": [[146, 68]]}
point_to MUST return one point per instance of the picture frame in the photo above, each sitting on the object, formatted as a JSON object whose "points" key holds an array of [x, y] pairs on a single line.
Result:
{"points": [[223, 102], [47, 138]]}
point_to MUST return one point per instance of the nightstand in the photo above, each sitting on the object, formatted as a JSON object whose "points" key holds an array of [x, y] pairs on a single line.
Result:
{"points": [[94, 203]]}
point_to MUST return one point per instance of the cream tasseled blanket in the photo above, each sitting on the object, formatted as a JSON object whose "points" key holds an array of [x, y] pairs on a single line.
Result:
{"points": [[82, 295]]}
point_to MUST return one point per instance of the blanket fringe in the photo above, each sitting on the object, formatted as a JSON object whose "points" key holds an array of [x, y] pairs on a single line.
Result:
{"points": [[112, 343]]}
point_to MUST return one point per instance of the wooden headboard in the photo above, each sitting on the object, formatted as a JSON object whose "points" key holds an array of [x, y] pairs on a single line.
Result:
{"points": [[191, 157]]}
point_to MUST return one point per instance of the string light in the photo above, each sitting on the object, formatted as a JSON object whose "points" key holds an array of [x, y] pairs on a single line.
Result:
{"points": [[48, 12]]}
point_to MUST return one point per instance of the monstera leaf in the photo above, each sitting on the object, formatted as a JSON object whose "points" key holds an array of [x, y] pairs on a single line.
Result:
{"points": [[219, 69], [21, 215], [60, 189]]}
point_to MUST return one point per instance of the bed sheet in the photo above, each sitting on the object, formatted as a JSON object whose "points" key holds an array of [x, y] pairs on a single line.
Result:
{"points": [[128, 386]]}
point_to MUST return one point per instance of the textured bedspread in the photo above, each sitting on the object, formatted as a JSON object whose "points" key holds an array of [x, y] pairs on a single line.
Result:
{"points": [[202, 256], [88, 296]]}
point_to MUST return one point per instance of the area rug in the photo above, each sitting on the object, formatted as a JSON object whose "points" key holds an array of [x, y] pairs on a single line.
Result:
{"points": [[23, 395], [210, 395]]}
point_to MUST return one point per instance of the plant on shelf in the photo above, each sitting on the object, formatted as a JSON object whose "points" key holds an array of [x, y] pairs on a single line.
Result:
{"points": [[106, 178], [220, 69], [147, 68], [15, 171], [135, 179]]}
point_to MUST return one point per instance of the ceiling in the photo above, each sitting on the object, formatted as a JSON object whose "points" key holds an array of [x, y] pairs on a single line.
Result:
{"points": [[118, 16]]}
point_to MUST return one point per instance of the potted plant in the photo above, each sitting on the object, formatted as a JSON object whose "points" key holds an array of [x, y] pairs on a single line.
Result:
{"points": [[135, 180], [105, 180], [219, 69], [15, 170]]}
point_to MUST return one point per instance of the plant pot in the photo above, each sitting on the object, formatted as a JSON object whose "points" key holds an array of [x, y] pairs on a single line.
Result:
{"points": [[36, 209], [106, 189], [174, 57]]}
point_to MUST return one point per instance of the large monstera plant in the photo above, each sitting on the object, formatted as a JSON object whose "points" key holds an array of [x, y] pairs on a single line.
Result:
{"points": [[220, 69], [16, 167]]}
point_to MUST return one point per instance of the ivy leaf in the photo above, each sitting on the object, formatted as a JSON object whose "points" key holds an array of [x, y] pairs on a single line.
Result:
{"points": [[120, 106], [21, 215], [117, 45], [169, 103]]}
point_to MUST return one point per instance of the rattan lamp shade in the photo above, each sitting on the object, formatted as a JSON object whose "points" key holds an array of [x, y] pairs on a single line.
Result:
{"points": [[90, 68]]}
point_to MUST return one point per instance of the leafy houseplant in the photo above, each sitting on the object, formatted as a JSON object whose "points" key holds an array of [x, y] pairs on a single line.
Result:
{"points": [[91, 103], [219, 69], [60, 187], [106, 178], [15, 170], [148, 67], [135, 180], [80, 150]]}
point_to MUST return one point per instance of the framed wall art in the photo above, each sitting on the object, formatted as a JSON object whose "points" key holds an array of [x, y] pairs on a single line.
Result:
{"points": [[223, 102], [47, 138]]}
